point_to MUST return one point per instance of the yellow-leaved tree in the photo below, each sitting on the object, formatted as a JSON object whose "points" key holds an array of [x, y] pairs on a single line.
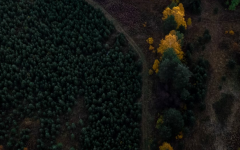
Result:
{"points": [[171, 41], [150, 40], [151, 48], [231, 32], [178, 12], [156, 66], [150, 72], [165, 146], [189, 22]]}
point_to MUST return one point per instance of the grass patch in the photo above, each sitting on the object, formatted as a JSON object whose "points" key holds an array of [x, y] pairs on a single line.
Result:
{"points": [[223, 107]]}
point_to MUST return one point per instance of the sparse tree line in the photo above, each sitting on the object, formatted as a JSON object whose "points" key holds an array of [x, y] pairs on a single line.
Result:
{"points": [[181, 78]]}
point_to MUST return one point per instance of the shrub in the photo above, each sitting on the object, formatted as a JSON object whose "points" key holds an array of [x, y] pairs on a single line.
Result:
{"points": [[202, 106], [231, 32], [215, 11], [206, 38], [150, 40], [231, 64], [223, 107], [233, 4], [150, 72], [223, 78], [189, 22], [165, 146]]}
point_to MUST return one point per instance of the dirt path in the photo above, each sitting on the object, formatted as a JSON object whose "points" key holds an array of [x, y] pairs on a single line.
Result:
{"points": [[146, 90]]}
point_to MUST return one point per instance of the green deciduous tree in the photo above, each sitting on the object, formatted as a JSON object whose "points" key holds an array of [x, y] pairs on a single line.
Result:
{"points": [[172, 123], [172, 71]]}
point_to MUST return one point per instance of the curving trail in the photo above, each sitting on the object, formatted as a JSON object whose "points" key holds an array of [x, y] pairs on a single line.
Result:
{"points": [[146, 90]]}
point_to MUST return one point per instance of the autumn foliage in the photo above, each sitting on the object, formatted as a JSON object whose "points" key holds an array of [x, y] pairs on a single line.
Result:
{"points": [[189, 22], [150, 72], [150, 40], [178, 12], [151, 48], [156, 66], [165, 146], [179, 136], [231, 32], [171, 41]]}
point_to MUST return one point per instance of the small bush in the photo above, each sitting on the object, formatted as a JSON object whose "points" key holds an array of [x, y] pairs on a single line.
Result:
{"points": [[191, 47], [200, 40], [206, 32], [231, 64], [206, 36], [202, 106], [233, 4], [215, 11], [220, 87], [223, 107], [223, 78], [199, 19], [203, 47]]}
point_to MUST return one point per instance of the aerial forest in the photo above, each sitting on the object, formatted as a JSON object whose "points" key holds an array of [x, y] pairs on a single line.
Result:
{"points": [[119, 75]]}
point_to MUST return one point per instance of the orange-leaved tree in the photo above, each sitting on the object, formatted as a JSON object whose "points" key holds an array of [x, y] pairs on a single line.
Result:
{"points": [[165, 146], [178, 12], [171, 41]]}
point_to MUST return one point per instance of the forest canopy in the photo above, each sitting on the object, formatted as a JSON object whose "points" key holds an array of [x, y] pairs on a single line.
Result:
{"points": [[53, 53]]}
